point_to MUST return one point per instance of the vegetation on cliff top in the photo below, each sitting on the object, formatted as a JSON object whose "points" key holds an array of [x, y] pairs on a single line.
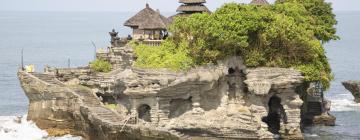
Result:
{"points": [[286, 34], [167, 55], [100, 66]]}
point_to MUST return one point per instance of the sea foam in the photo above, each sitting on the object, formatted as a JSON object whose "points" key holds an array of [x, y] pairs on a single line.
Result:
{"points": [[18, 128], [344, 105]]}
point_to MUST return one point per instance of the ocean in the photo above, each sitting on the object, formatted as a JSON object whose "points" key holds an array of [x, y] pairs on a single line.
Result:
{"points": [[53, 38]]}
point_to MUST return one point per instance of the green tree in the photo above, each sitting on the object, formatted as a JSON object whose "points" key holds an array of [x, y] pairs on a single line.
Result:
{"points": [[324, 20]]}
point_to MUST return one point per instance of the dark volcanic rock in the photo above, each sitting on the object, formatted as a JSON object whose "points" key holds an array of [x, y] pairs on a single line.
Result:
{"points": [[354, 88]]}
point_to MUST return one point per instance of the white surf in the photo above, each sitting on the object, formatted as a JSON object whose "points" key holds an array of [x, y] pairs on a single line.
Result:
{"points": [[18, 128]]}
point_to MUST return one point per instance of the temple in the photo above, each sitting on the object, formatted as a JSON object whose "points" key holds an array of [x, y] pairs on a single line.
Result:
{"points": [[226, 100], [148, 24]]}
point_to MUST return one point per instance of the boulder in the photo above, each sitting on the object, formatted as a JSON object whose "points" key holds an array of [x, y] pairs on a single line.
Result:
{"points": [[324, 119], [354, 88]]}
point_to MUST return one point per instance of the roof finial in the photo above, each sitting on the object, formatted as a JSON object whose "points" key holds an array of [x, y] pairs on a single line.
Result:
{"points": [[147, 5]]}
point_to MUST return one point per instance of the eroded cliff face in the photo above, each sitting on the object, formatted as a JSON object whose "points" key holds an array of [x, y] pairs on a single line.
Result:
{"points": [[226, 100], [49, 103], [74, 109]]}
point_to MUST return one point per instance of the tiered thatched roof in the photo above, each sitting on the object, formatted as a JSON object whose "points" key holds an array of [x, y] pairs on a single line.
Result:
{"points": [[148, 19], [259, 2], [189, 7], [192, 1], [192, 8]]}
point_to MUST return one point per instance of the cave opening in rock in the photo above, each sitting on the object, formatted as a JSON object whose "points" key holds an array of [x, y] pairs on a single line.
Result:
{"points": [[144, 112], [231, 71], [106, 98], [276, 115], [179, 107]]}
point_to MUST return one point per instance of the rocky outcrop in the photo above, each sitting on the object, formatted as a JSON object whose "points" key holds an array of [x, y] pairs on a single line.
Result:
{"points": [[56, 106], [222, 101], [218, 101], [324, 119], [273, 92], [354, 88]]}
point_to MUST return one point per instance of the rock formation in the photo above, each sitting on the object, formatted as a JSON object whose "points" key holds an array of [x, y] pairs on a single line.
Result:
{"points": [[354, 88], [222, 101]]}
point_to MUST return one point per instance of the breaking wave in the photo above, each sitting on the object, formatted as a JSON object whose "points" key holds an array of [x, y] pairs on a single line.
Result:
{"points": [[344, 105], [18, 128]]}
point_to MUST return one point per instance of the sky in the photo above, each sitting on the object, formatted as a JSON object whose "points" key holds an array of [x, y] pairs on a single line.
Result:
{"points": [[131, 5]]}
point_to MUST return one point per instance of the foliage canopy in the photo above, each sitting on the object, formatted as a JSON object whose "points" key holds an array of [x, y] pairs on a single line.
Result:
{"points": [[287, 34]]}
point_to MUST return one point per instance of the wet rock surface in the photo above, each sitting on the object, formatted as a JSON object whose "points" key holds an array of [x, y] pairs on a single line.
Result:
{"points": [[354, 88], [324, 119]]}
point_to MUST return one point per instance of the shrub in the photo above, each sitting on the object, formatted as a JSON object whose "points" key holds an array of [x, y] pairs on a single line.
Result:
{"points": [[111, 106], [100, 66], [167, 55]]}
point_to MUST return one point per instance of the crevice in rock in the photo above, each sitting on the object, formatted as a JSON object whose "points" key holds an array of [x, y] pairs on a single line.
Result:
{"points": [[276, 115]]}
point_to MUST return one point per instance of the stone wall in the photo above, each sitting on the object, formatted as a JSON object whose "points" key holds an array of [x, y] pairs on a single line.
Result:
{"points": [[119, 57]]}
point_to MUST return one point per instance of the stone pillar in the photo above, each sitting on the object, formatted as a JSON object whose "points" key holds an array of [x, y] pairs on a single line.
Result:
{"points": [[134, 114], [292, 104]]}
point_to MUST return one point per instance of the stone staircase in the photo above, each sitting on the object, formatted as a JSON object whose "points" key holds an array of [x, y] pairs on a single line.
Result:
{"points": [[106, 115], [93, 104], [88, 98], [50, 79], [314, 108]]}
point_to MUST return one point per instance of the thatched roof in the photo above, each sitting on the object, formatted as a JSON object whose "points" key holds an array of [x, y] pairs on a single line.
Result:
{"points": [[259, 2], [148, 19], [193, 8], [192, 1]]}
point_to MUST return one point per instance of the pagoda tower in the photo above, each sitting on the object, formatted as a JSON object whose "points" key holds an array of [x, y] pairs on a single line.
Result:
{"points": [[189, 7]]}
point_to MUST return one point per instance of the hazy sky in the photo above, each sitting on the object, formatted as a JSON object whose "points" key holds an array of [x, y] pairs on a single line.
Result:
{"points": [[130, 5]]}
